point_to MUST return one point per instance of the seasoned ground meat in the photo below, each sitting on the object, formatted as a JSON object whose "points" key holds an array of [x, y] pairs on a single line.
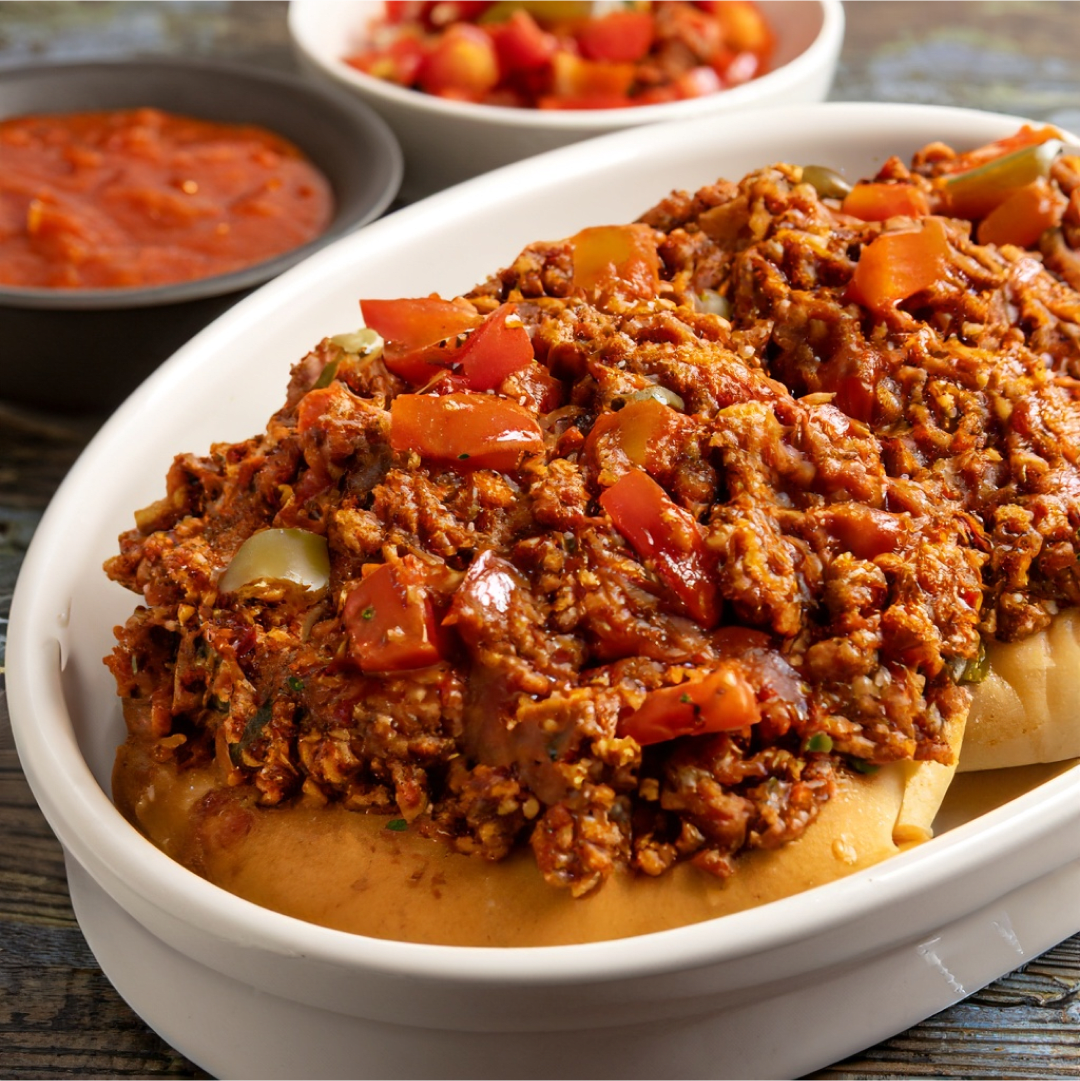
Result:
{"points": [[740, 517]]}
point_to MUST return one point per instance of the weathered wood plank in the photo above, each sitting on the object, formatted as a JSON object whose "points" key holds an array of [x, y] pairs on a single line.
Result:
{"points": [[59, 1016]]}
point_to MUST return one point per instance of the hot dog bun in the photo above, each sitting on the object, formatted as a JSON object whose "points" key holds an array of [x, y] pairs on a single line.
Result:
{"points": [[1027, 710], [348, 871]]}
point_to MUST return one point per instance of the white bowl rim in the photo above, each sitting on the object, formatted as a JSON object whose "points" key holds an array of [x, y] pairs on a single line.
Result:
{"points": [[95, 834], [824, 47]]}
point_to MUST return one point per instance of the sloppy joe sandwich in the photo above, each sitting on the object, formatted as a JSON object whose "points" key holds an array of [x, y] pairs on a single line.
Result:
{"points": [[650, 579]]}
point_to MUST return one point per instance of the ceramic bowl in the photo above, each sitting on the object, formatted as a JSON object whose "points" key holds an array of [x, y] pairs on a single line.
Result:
{"points": [[85, 350], [447, 141], [776, 991]]}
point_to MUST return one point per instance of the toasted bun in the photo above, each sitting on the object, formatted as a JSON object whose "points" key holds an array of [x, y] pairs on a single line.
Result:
{"points": [[1027, 710], [348, 871]]}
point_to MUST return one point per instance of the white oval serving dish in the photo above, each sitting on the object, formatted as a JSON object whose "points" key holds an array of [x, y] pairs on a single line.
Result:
{"points": [[773, 992]]}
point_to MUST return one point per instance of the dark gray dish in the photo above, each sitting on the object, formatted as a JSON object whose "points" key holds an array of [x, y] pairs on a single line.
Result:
{"points": [[85, 350]]}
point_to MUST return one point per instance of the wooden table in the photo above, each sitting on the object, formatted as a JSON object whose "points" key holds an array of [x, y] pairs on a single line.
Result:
{"points": [[59, 1016]]}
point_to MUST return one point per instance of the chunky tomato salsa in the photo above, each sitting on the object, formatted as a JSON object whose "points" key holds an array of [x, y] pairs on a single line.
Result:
{"points": [[632, 552], [567, 55], [141, 197]]}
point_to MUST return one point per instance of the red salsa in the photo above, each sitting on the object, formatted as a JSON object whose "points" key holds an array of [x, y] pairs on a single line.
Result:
{"points": [[141, 197], [567, 55]]}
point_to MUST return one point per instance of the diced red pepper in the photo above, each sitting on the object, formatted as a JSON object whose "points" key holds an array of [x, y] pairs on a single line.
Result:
{"points": [[498, 347], [390, 619], [896, 266], [879, 201], [616, 260], [666, 535], [420, 333], [721, 702], [617, 37], [1024, 216], [464, 431]]}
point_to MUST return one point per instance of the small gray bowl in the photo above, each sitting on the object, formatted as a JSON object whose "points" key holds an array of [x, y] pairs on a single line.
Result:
{"points": [[85, 350]]}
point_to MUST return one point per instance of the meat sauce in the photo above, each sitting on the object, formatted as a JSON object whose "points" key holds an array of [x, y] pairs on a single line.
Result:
{"points": [[639, 551], [140, 197]]}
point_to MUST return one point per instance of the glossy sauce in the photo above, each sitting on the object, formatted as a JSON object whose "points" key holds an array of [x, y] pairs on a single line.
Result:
{"points": [[142, 197]]}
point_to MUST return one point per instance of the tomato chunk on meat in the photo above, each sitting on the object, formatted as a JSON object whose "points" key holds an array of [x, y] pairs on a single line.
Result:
{"points": [[896, 266], [666, 535], [721, 702], [420, 333], [616, 260], [391, 621], [499, 347], [464, 431], [879, 201]]}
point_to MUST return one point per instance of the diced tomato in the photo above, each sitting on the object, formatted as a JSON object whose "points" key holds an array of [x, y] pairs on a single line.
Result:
{"points": [[461, 65], [420, 333], [398, 63], [879, 201], [616, 260], [617, 37], [721, 702], [1024, 216], [522, 44], [574, 77], [499, 346], [464, 431], [896, 266], [643, 428], [390, 619], [666, 535]]}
